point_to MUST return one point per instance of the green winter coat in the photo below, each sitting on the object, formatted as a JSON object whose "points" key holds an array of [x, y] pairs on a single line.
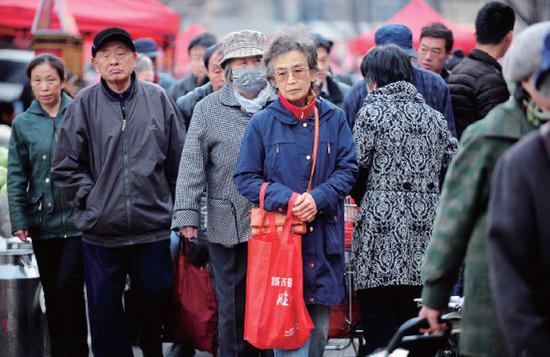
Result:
{"points": [[35, 203], [459, 229]]}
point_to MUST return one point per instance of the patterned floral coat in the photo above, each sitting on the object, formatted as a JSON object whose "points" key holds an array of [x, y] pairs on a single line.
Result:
{"points": [[405, 146]]}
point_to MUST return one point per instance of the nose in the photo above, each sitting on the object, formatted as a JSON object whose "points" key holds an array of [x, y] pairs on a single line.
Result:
{"points": [[44, 86]]}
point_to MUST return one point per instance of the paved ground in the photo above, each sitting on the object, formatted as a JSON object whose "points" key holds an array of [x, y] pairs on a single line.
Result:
{"points": [[347, 351]]}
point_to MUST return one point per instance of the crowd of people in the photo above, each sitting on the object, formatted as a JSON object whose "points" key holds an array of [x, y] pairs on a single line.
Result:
{"points": [[446, 162]]}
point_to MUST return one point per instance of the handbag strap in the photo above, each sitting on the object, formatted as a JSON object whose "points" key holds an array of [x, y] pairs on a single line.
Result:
{"points": [[315, 149], [263, 189]]}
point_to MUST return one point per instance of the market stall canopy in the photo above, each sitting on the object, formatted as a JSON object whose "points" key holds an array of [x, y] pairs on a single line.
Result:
{"points": [[143, 18], [415, 15]]}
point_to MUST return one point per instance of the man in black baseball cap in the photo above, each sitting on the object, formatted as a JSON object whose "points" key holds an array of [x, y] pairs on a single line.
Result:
{"points": [[117, 160]]}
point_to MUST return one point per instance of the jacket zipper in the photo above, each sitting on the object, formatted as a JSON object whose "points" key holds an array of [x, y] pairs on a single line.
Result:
{"points": [[277, 148], [62, 204], [328, 148], [126, 179]]}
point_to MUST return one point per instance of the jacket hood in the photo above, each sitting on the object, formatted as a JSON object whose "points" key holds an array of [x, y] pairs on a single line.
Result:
{"points": [[36, 108], [324, 107], [395, 92]]}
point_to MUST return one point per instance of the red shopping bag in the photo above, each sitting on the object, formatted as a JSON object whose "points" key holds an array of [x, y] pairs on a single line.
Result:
{"points": [[276, 315], [195, 309]]}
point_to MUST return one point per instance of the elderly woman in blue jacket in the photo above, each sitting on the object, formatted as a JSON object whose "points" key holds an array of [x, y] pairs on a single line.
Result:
{"points": [[277, 148]]}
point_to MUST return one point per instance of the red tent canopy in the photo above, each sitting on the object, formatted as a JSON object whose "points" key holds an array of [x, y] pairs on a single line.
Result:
{"points": [[143, 18], [415, 15]]}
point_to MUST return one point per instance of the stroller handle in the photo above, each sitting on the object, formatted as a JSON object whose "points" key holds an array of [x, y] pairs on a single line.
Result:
{"points": [[411, 330]]}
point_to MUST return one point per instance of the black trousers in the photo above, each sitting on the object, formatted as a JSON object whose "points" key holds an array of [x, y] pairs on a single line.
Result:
{"points": [[383, 310], [62, 277], [229, 267], [149, 267]]}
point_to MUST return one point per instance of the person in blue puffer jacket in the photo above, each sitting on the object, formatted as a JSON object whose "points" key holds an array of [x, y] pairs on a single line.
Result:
{"points": [[277, 148]]}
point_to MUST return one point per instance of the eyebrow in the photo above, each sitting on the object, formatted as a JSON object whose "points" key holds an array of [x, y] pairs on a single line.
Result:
{"points": [[296, 65]]}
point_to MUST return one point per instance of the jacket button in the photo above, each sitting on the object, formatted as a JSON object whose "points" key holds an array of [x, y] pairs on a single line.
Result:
{"points": [[47, 180], [407, 186], [305, 125], [44, 157], [308, 157], [311, 228], [311, 300], [311, 265], [49, 204]]}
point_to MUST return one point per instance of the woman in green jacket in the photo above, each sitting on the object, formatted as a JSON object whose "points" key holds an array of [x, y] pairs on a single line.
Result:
{"points": [[39, 210]]}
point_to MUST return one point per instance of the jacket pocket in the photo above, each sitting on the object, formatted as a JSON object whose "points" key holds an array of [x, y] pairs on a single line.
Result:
{"points": [[35, 211], [222, 221], [334, 238], [326, 156], [280, 157]]}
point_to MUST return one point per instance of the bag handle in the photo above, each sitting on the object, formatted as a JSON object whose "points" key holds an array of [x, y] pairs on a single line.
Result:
{"points": [[315, 149], [265, 214]]}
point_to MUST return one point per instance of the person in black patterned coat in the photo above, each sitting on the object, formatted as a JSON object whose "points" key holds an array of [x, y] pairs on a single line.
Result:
{"points": [[403, 148]]}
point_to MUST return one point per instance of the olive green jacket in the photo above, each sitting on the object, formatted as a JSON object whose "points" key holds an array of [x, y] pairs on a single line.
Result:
{"points": [[35, 203], [459, 229]]}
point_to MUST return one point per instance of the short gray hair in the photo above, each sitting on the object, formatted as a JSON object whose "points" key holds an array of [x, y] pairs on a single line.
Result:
{"points": [[290, 39], [143, 63]]}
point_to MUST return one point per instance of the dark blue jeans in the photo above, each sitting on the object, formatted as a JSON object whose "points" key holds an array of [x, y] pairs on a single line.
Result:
{"points": [[149, 267], [62, 276], [229, 267]]}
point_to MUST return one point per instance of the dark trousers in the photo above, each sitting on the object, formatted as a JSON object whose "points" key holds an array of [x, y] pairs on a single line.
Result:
{"points": [[229, 267], [383, 310], [149, 267], [62, 277]]}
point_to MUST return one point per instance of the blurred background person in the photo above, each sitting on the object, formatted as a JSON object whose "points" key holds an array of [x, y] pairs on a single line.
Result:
{"points": [[431, 86], [216, 80], [40, 210], [326, 84], [144, 69], [476, 83], [454, 59], [519, 233], [460, 227], [197, 75], [149, 48], [405, 147], [436, 43]]}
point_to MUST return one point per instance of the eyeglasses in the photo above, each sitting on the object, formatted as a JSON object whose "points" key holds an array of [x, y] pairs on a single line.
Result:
{"points": [[297, 73]]}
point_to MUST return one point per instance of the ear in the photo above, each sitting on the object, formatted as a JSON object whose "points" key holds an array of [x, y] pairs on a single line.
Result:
{"points": [[94, 63]]}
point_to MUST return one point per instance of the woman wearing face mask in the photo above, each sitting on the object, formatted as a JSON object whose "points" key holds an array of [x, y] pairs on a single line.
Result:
{"points": [[278, 148], [207, 162], [40, 210]]}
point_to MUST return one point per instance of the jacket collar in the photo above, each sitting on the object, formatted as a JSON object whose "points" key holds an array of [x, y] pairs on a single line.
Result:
{"points": [[286, 117], [396, 91], [509, 122], [36, 108], [479, 55], [128, 94]]}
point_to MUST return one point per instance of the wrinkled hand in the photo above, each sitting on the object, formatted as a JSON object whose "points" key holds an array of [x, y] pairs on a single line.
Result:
{"points": [[189, 233], [432, 316], [305, 208], [23, 235]]}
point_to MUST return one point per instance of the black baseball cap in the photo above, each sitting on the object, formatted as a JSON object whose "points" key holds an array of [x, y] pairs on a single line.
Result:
{"points": [[112, 34]]}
